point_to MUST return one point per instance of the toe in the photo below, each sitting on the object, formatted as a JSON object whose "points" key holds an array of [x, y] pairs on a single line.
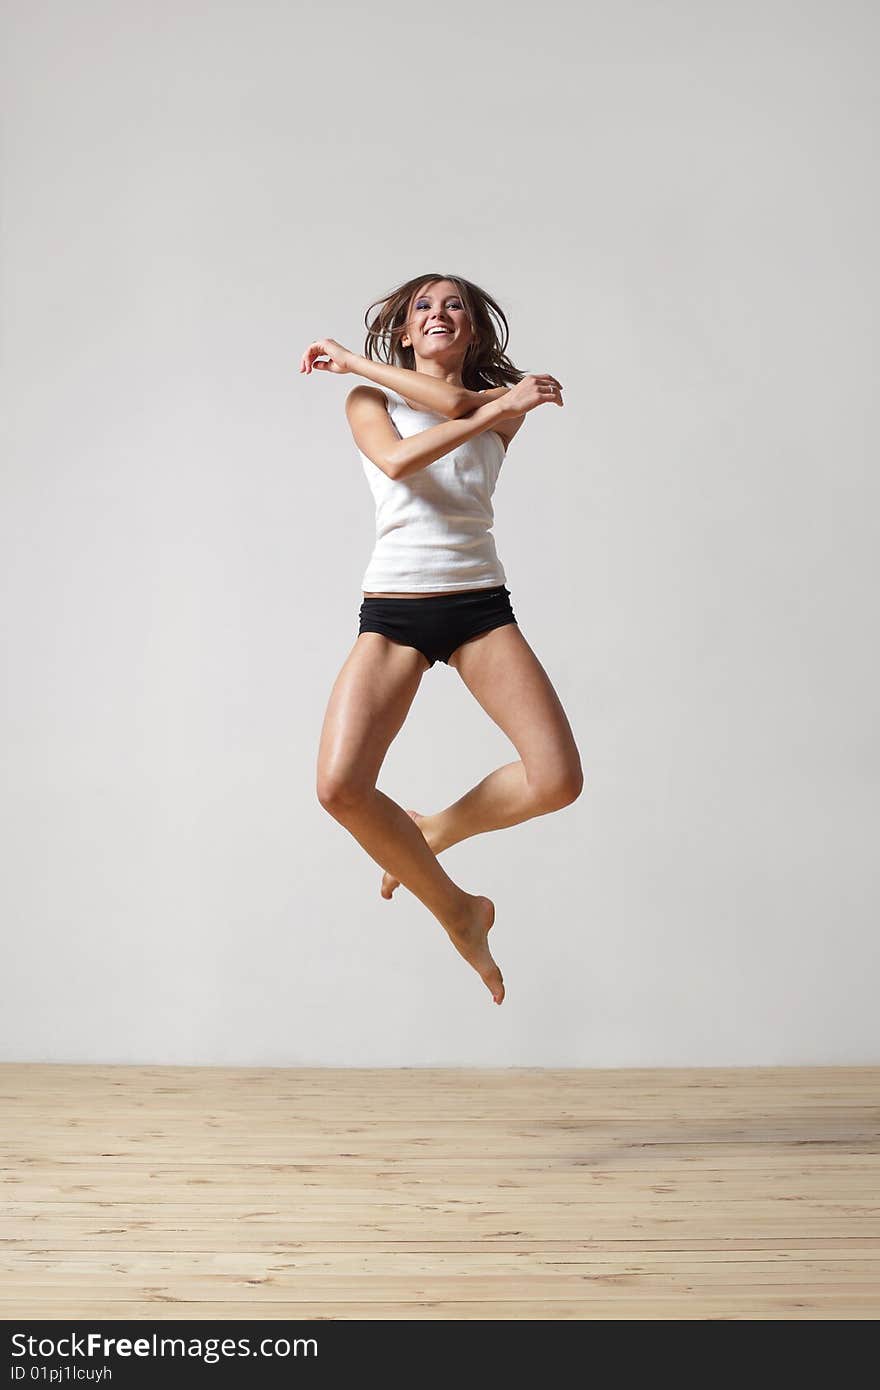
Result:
{"points": [[496, 985]]}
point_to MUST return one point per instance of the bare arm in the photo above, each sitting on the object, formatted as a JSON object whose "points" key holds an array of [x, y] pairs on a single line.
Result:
{"points": [[440, 397], [411, 455], [455, 402], [326, 355], [434, 394], [378, 439], [478, 398], [511, 404]]}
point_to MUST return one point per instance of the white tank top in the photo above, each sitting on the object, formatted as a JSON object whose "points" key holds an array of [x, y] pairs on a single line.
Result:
{"points": [[434, 528]]}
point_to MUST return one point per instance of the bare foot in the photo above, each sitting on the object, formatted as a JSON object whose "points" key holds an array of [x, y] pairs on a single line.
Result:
{"points": [[389, 882], [470, 939]]}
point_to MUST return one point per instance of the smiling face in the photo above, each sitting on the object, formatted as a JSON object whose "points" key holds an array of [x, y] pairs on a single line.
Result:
{"points": [[438, 328]]}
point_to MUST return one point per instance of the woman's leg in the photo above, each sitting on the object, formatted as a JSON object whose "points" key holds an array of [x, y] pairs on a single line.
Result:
{"points": [[505, 676], [369, 702]]}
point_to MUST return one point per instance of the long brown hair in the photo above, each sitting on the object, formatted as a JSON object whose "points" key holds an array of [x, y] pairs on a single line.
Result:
{"points": [[485, 363]]}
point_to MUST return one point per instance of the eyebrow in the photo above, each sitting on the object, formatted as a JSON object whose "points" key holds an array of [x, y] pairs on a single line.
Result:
{"points": [[427, 295]]}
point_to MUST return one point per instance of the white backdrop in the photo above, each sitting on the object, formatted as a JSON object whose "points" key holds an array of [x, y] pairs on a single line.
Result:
{"points": [[676, 206]]}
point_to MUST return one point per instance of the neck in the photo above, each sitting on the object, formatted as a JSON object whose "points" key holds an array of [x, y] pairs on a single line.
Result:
{"points": [[451, 375]]}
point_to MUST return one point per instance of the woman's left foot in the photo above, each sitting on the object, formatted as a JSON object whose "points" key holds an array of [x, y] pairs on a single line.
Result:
{"points": [[389, 882]]}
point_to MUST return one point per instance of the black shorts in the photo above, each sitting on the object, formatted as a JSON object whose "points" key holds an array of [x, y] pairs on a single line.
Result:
{"points": [[437, 624]]}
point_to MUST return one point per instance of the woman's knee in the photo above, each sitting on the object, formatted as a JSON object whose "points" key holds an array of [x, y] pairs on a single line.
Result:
{"points": [[339, 792], [553, 788]]}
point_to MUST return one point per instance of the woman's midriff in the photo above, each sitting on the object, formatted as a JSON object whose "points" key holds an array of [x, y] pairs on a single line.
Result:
{"points": [[435, 593]]}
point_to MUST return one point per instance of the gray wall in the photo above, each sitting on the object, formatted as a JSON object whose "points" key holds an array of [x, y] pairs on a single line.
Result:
{"points": [[677, 207]]}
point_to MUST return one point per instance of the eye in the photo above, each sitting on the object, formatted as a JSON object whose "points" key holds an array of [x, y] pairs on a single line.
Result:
{"points": [[423, 304]]}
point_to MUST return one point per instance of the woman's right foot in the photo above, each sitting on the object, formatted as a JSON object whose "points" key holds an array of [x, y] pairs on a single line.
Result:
{"points": [[470, 938]]}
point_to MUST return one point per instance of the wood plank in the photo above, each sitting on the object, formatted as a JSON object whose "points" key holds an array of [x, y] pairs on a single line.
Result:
{"points": [[848, 1307], [440, 1193]]}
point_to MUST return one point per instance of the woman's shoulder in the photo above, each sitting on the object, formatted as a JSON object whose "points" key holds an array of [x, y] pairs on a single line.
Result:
{"points": [[363, 392]]}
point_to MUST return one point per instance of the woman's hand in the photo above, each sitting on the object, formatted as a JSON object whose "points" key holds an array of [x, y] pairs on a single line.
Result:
{"points": [[339, 356], [534, 389]]}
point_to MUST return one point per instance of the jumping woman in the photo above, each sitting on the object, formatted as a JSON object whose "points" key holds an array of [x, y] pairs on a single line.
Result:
{"points": [[432, 433]]}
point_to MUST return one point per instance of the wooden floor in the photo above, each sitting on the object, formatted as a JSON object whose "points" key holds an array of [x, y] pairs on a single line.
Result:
{"points": [[175, 1192]]}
